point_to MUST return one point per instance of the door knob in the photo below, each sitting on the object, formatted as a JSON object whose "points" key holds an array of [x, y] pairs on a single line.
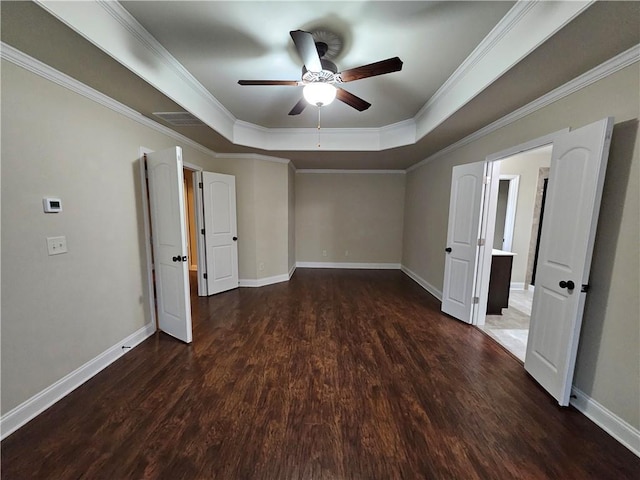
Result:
{"points": [[235, 239], [177, 259], [448, 249], [568, 285]]}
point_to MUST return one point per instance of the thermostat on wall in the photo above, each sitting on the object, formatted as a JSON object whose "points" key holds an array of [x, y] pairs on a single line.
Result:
{"points": [[52, 205]]}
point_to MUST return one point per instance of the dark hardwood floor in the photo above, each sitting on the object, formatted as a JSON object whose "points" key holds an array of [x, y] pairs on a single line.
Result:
{"points": [[336, 374]]}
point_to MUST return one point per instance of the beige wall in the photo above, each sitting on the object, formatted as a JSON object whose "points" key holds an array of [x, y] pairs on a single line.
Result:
{"points": [[58, 312], [61, 311], [358, 213], [608, 363], [271, 217], [291, 186], [526, 166]]}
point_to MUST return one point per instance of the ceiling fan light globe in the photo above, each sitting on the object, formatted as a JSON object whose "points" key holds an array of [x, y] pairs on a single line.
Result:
{"points": [[319, 94]]}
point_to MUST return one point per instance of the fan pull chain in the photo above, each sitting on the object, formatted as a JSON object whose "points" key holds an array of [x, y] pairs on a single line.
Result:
{"points": [[319, 108]]}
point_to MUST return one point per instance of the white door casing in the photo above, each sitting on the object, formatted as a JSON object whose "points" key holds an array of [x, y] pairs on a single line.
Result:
{"points": [[465, 208], [576, 178], [221, 232], [166, 203]]}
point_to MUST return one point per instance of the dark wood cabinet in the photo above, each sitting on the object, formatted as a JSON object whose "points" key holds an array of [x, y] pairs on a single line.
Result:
{"points": [[499, 282]]}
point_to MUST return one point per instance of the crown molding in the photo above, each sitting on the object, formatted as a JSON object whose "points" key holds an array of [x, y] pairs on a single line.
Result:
{"points": [[15, 56], [253, 156], [367, 172], [110, 27], [525, 27], [113, 29], [609, 67]]}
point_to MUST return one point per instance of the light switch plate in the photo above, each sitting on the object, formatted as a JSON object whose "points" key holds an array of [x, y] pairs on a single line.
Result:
{"points": [[56, 245]]}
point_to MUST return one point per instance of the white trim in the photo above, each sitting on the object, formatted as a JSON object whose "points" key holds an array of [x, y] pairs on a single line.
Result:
{"points": [[20, 415], [12, 55], [422, 282], [506, 23], [510, 214], [203, 285], [147, 233], [603, 70], [354, 266], [516, 286], [110, 27], [527, 146], [262, 282], [623, 432], [319, 170], [114, 30], [43, 70], [292, 270], [523, 29], [191, 166], [252, 156], [609, 67], [486, 231]]}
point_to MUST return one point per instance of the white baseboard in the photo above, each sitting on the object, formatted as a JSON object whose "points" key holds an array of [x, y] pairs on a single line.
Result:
{"points": [[292, 270], [422, 282], [516, 286], [20, 415], [615, 426], [263, 282], [363, 266]]}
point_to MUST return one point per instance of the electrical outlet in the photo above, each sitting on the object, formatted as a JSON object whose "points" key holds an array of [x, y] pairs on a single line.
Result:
{"points": [[324, 253], [346, 253], [261, 266], [56, 245]]}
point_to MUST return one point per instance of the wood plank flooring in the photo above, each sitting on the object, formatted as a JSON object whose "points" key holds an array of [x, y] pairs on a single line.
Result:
{"points": [[336, 374]]}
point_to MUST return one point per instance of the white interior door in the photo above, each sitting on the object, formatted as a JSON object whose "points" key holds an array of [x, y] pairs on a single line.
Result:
{"points": [[576, 177], [465, 206], [166, 203], [220, 231]]}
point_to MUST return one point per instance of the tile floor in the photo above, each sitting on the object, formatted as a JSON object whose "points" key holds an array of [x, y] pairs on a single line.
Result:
{"points": [[511, 329]]}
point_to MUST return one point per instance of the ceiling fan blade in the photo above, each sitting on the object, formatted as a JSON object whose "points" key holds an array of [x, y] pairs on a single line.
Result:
{"points": [[306, 46], [293, 83], [379, 68], [298, 107], [351, 100]]}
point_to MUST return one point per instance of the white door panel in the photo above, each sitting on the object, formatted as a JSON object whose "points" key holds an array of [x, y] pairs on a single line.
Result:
{"points": [[576, 178], [166, 203], [465, 206], [219, 202]]}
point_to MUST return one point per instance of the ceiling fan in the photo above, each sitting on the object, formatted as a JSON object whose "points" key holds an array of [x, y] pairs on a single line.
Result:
{"points": [[320, 77]]}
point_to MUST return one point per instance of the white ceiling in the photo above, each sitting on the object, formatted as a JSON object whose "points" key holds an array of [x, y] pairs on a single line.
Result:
{"points": [[466, 64], [223, 42]]}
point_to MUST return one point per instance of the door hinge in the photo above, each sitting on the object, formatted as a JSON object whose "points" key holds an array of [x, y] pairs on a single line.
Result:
{"points": [[475, 300], [200, 185], [204, 275], [487, 180], [202, 231], [481, 242]]}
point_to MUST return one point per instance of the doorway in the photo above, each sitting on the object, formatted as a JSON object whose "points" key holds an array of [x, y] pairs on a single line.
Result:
{"points": [[518, 211]]}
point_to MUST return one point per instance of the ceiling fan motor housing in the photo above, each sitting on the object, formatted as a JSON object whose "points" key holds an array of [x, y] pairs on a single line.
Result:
{"points": [[328, 74]]}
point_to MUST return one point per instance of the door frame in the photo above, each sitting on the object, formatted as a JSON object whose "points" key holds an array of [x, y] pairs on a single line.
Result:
{"points": [[488, 217], [510, 215], [144, 191]]}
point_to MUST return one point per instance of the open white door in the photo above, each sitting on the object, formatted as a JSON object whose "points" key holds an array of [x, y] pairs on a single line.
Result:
{"points": [[578, 165], [166, 203], [220, 231], [465, 208]]}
